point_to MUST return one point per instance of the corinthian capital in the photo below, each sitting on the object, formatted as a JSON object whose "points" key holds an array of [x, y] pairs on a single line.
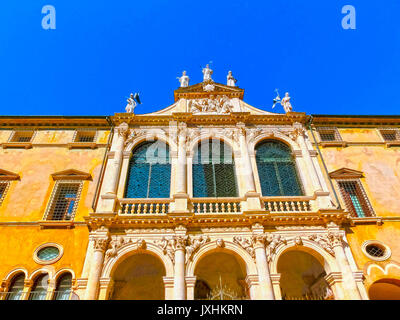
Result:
{"points": [[259, 241], [101, 244], [335, 238], [123, 130]]}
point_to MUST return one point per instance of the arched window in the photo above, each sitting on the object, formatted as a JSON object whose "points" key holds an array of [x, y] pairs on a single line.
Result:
{"points": [[149, 172], [63, 288], [214, 170], [39, 289], [277, 170], [16, 287]]}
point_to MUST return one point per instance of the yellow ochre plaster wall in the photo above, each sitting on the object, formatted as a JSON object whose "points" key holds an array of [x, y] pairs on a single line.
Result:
{"points": [[26, 200]]}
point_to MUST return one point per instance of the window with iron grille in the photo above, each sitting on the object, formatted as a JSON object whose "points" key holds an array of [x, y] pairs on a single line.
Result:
{"points": [[327, 134], [149, 172], [64, 201], [85, 136], [355, 198], [214, 170], [22, 136], [3, 190], [277, 170], [390, 135]]}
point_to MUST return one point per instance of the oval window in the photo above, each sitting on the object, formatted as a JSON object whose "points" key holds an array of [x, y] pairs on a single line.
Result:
{"points": [[48, 253]]}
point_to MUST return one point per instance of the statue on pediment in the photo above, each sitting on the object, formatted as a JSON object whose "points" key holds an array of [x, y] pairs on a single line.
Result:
{"points": [[207, 72], [287, 106], [130, 107], [230, 80], [184, 80]]}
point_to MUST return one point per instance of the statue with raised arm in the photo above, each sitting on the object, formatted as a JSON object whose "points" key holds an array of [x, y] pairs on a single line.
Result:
{"points": [[207, 72], [130, 107], [184, 80], [230, 80], [287, 106]]}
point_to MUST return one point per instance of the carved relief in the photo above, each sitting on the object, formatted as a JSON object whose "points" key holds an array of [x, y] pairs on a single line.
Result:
{"points": [[246, 244], [274, 241], [213, 105], [186, 243], [120, 242], [194, 245], [323, 242]]}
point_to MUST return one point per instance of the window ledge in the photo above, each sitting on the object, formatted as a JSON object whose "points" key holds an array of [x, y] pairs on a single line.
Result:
{"points": [[392, 144], [367, 220], [53, 224], [326, 144], [25, 145], [82, 145]]}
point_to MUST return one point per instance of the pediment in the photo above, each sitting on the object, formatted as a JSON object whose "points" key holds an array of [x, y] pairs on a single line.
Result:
{"points": [[71, 174], [206, 89], [346, 173], [8, 175]]}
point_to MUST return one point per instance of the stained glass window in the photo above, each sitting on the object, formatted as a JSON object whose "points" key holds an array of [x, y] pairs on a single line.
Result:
{"points": [[277, 170], [214, 170], [149, 172]]}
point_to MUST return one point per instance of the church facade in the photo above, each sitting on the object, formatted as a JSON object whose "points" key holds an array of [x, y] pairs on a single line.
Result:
{"points": [[207, 198]]}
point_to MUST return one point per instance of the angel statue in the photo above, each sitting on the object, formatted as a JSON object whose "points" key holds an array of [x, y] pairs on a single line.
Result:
{"points": [[133, 100], [285, 102]]}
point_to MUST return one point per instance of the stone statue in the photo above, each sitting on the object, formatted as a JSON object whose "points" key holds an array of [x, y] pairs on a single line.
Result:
{"points": [[230, 80], [130, 107], [184, 80], [287, 106], [207, 72]]}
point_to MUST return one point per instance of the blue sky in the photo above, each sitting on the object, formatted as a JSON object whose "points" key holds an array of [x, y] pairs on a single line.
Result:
{"points": [[102, 50]]}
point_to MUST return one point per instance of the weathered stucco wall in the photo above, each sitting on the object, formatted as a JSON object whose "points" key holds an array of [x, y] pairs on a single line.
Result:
{"points": [[26, 200], [366, 152]]}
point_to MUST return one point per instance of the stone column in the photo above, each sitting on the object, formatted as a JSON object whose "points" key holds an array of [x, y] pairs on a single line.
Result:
{"points": [[179, 269], [252, 197], [247, 170], [276, 280], [264, 279], [349, 283], [168, 288], [100, 246], [190, 285], [298, 134], [27, 289], [122, 131], [252, 282], [181, 183]]}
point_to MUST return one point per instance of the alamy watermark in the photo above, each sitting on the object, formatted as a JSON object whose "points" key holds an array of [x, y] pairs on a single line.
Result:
{"points": [[49, 20], [349, 20]]}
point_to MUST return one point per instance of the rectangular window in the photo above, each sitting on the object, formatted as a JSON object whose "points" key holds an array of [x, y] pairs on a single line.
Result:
{"points": [[329, 134], [85, 136], [64, 201], [390, 135], [22, 136], [355, 199]]}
